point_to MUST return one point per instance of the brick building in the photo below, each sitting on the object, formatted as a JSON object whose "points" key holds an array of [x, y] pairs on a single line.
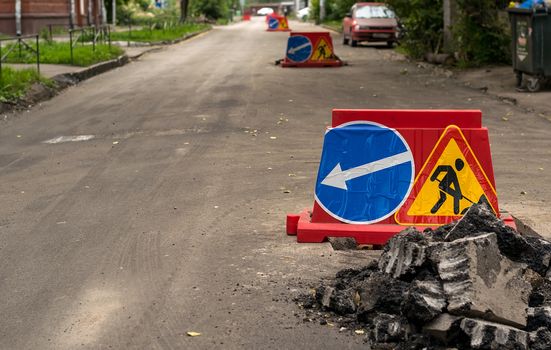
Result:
{"points": [[38, 14]]}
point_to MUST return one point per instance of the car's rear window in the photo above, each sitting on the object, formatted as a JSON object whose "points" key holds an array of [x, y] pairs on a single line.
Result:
{"points": [[374, 12]]}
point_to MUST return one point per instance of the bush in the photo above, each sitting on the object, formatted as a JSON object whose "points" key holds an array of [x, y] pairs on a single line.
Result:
{"points": [[212, 9], [481, 35], [423, 22]]}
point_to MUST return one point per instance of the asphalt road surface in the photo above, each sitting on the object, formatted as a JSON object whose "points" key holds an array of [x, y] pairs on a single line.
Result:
{"points": [[170, 217]]}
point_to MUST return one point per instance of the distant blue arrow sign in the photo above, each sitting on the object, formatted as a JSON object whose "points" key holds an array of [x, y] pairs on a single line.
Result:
{"points": [[273, 23], [299, 48], [366, 172]]}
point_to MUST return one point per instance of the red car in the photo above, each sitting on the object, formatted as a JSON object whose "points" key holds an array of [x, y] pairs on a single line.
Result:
{"points": [[370, 21]]}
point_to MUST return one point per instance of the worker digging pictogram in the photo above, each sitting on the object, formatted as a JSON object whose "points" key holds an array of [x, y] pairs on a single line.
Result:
{"points": [[448, 186], [322, 51]]}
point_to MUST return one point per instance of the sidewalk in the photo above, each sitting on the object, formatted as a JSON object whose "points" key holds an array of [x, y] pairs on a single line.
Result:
{"points": [[51, 70], [499, 81]]}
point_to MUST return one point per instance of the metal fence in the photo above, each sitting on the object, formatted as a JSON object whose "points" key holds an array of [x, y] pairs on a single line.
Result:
{"points": [[20, 45], [93, 34]]}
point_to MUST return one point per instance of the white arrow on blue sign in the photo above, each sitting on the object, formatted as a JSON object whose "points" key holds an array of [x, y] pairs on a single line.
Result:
{"points": [[299, 48], [273, 23], [366, 172]]}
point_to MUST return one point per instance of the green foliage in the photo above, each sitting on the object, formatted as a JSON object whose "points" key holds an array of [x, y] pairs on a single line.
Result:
{"points": [[222, 21], [481, 35], [60, 53], [159, 33], [335, 10], [315, 10], [132, 11], [14, 83], [212, 9], [424, 23]]}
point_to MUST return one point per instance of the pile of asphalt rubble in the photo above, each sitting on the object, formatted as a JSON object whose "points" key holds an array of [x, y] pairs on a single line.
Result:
{"points": [[472, 284]]}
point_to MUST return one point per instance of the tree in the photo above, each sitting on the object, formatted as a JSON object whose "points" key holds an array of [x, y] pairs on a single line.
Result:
{"points": [[184, 4]]}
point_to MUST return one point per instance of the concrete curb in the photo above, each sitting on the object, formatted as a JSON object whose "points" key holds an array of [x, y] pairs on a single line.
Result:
{"points": [[166, 42], [94, 70], [333, 29]]}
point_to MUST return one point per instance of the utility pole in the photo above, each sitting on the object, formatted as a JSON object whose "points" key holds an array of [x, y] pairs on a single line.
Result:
{"points": [[18, 17], [72, 14], [322, 10], [450, 18], [114, 19]]}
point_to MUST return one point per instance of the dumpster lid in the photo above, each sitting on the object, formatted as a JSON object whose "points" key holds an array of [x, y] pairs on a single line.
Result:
{"points": [[538, 10]]}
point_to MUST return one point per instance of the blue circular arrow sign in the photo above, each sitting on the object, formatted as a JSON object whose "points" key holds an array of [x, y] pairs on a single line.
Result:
{"points": [[273, 23], [366, 172], [299, 48]]}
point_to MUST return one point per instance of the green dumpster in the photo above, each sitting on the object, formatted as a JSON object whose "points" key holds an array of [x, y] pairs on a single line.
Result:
{"points": [[531, 31]]}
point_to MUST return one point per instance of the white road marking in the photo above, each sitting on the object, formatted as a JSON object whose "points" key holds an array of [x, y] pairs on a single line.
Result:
{"points": [[76, 138]]}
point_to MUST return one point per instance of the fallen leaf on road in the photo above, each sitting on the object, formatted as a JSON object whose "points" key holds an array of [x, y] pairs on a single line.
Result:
{"points": [[504, 118], [286, 191], [115, 142], [273, 137], [193, 334], [359, 331]]}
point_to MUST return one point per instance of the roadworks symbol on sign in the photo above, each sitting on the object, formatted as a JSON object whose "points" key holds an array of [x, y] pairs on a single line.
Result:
{"points": [[451, 181], [322, 51]]}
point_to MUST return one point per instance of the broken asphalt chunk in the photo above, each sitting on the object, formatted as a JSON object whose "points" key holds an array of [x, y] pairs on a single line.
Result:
{"points": [[480, 282]]}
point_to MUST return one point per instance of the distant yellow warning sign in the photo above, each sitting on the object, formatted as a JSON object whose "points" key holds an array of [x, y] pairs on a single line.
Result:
{"points": [[322, 51], [451, 188], [450, 181]]}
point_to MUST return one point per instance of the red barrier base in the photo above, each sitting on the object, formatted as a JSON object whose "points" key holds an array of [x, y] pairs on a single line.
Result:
{"points": [[375, 234], [287, 63]]}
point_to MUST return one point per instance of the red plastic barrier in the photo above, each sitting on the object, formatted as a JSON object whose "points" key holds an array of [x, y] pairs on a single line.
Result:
{"points": [[433, 136], [305, 49], [277, 23]]}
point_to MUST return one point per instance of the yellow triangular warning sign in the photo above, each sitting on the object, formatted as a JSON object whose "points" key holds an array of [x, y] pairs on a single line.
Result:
{"points": [[451, 188], [450, 181], [322, 51]]}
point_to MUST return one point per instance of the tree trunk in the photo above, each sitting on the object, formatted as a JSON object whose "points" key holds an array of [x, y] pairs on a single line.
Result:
{"points": [[183, 10]]}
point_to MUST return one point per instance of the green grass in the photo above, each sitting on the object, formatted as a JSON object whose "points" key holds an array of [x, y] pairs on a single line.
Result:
{"points": [[60, 53], [222, 21], [14, 83], [336, 25], [155, 35]]}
